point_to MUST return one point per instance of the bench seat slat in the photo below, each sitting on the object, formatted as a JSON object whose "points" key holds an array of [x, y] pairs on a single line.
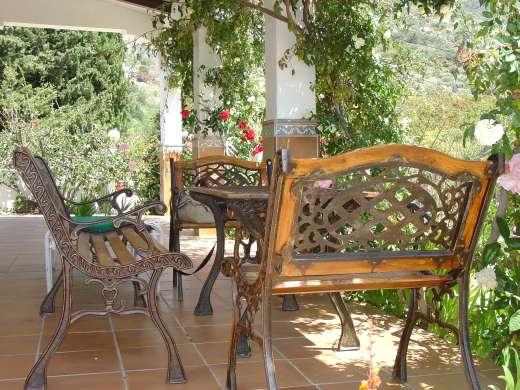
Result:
{"points": [[123, 255], [101, 251], [134, 238], [84, 246]]}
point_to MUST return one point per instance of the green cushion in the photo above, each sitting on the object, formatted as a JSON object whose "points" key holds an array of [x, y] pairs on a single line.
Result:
{"points": [[103, 227]]}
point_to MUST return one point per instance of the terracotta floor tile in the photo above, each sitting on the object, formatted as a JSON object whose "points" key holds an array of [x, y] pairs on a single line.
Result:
{"points": [[327, 371], [450, 381], [209, 333], [145, 358], [84, 362], [147, 337], [15, 366], [139, 321], [85, 324], [217, 353], [12, 384], [220, 317], [251, 375], [86, 341], [18, 344], [93, 381], [199, 378], [20, 326]]}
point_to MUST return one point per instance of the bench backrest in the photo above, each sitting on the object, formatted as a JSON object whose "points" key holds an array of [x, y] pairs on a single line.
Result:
{"points": [[217, 171], [38, 178], [381, 209]]}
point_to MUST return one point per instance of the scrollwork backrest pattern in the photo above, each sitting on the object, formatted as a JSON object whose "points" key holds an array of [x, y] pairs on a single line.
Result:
{"points": [[389, 207], [221, 174]]}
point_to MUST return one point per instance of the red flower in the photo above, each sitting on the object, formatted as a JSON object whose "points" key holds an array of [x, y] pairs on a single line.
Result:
{"points": [[185, 113], [119, 187], [35, 122], [242, 125], [257, 149], [250, 134], [224, 115]]}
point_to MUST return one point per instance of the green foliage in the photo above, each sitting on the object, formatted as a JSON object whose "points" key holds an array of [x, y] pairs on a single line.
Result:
{"points": [[85, 208], [59, 93], [438, 126], [144, 155], [509, 367], [84, 68], [490, 51]]}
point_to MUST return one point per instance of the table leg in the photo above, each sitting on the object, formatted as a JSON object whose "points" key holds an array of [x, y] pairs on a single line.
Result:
{"points": [[290, 303], [203, 307], [243, 346]]}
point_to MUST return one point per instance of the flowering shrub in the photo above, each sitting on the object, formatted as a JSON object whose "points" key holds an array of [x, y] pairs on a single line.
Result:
{"points": [[487, 278], [488, 132], [510, 180]]}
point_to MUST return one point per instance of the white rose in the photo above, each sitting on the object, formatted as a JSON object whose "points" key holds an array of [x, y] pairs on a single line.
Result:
{"points": [[488, 132], [358, 42], [251, 99], [387, 35], [405, 122], [487, 278]]}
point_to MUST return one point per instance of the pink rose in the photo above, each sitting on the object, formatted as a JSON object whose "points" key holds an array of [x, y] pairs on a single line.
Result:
{"points": [[132, 165], [124, 148], [323, 183], [510, 180]]}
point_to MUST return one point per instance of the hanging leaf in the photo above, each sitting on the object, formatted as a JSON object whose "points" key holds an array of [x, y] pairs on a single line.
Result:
{"points": [[514, 322], [503, 227], [490, 253]]}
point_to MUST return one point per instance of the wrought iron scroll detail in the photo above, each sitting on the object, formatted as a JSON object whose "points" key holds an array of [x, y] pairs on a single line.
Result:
{"points": [[220, 174]]}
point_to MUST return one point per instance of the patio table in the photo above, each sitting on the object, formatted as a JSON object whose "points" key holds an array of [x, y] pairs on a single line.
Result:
{"points": [[248, 204]]}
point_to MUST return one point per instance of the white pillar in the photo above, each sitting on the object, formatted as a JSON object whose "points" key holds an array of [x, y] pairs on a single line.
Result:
{"points": [[170, 112], [289, 95], [171, 132], [204, 96]]}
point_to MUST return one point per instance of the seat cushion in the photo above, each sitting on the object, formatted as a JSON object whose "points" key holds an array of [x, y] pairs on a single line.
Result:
{"points": [[102, 227], [190, 210]]}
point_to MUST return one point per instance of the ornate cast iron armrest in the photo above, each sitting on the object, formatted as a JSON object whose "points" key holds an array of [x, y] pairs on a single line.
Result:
{"points": [[111, 198], [133, 217]]}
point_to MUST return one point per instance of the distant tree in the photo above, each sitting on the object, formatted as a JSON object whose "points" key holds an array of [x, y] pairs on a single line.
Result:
{"points": [[60, 91], [84, 68]]}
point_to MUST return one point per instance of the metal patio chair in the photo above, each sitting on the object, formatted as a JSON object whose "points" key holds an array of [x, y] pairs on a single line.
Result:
{"points": [[207, 171], [105, 258], [386, 217]]}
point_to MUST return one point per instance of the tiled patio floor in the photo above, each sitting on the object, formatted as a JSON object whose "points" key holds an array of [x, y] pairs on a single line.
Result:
{"points": [[127, 353]]}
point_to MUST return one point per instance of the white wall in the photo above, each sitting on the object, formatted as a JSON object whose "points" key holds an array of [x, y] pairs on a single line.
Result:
{"points": [[7, 197], [92, 15]]}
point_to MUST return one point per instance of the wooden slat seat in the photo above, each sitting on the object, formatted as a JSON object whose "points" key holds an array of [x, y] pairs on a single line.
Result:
{"points": [[124, 257], [114, 248], [193, 225], [353, 282], [101, 252], [359, 282]]}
